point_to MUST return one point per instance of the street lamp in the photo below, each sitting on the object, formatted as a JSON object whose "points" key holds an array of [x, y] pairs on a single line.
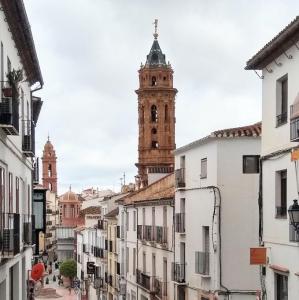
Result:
{"points": [[294, 215]]}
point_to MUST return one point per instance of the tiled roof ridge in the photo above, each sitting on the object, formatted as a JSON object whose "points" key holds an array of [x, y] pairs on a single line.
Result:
{"points": [[253, 130], [248, 130]]}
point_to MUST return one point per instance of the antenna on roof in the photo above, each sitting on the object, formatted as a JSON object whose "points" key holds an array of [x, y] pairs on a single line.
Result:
{"points": [[156, 29]]}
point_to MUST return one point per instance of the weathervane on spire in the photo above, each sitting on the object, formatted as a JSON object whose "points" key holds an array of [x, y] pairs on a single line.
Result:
{"points": [[156, 29]]}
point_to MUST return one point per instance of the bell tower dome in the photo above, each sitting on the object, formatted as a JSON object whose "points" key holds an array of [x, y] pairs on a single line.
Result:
{"points": [[156, 116], [49, 167]]}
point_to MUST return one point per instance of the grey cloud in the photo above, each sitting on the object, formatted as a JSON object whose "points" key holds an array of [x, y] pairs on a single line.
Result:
{"points": [[90, 52]]}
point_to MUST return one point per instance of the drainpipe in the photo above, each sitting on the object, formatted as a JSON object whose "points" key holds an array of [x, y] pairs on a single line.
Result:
{"points": [[137, 251], [173, 243]]}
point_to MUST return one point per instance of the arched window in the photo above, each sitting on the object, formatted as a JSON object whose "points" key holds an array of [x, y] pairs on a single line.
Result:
{"points": [[166, 112], [154, 113], [154, 81], [155, 145], [50, 170]]}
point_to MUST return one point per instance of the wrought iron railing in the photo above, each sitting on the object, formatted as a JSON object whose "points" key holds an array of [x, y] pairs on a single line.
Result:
{"points": [[281, 119], [180, 222], [9, 115], [143, 279], [180, 178], [9, 234], [294, 129], [28, 143], [281, 211], [161, 235], [27, 229], [139, 232], [102, 225], [159, 288], [202, 262], [178, 272]]}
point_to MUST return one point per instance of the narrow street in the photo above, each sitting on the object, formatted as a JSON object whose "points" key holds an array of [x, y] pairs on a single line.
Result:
{"points": [[53, 291]]}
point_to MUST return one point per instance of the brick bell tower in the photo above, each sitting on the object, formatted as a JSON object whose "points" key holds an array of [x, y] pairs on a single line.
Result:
{"points": [[156, 116], [49, 167]]}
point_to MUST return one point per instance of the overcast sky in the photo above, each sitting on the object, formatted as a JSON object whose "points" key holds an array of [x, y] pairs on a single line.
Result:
{"points": [[90, 52]]}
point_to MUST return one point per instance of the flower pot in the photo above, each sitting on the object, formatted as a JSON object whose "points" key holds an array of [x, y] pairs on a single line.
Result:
{"points": [[7, 92]]}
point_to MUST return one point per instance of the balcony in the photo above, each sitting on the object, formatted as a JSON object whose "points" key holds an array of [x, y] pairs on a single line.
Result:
{"points": [[180, 178], [281, 119], [180, 222], [122, 232], [293, 235], [178, 272], [28, 143], [117, 282], [148, 233], [109, 279], [281, 212], [85, 248], [202, 263], [102, 225], [9, 235], [9, 116], [143, 280], [27, 230], [49, 235], [161, 235], [159, 288], [294, 122], [139, 232]]}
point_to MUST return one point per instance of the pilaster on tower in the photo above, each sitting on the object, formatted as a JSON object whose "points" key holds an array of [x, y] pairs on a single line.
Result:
{"points": [[156, 117]]}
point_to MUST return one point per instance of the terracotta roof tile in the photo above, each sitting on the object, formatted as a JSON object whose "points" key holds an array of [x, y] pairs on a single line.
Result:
{"points": [[254, 130], [91, 210], [159, 190], [112, 213], [251, 130]]}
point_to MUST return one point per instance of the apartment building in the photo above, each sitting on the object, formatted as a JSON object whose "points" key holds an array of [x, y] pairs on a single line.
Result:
{"points": [[278, 63], [20, 76], [216, 215], [113, 274], [97, 242], [149, 252], [52, 220]]}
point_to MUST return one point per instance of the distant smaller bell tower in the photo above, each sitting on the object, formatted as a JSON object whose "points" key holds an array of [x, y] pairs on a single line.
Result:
{"points": [[49, 167]]}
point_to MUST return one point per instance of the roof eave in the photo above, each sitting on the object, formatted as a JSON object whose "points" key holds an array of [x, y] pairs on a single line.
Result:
{"points": [[19, 25], [277, 46]]}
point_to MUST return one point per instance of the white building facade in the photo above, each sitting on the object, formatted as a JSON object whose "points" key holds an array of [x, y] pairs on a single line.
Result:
{"points": [[216, 216], [19, 111], [279, 63], [148, 215]]}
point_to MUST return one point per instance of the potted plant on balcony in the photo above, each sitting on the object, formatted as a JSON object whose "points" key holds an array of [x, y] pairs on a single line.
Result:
{"points": [[13, 78]]}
